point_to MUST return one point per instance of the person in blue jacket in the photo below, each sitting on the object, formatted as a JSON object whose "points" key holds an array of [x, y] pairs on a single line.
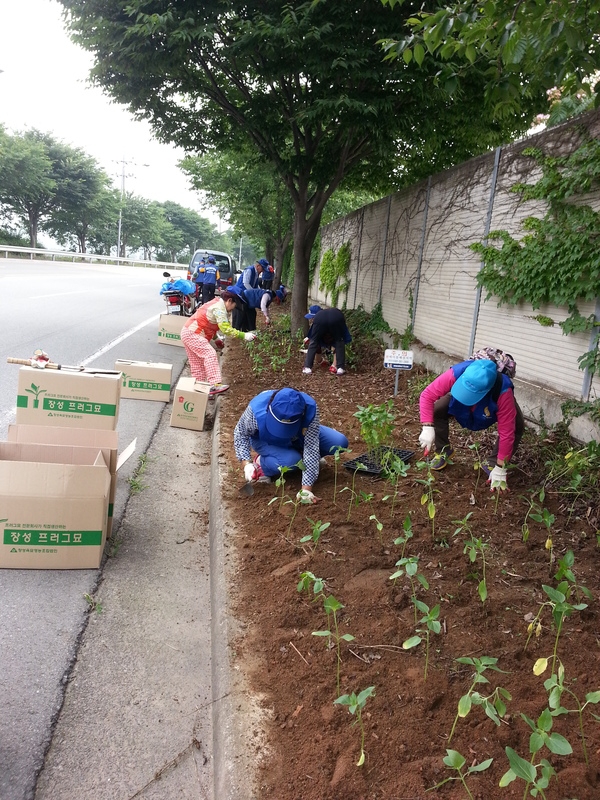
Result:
{"points": [[241, 318], [283, 428], [211, 277], [198, 279], [251, 300]]}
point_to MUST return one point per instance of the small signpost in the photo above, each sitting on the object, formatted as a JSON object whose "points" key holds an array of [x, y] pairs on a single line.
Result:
{"points": [[398, 359]]}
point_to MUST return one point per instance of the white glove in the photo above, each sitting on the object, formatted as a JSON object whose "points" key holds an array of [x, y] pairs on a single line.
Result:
{"points": [[427, 438], [497, 479], [306, 497], [249, 472], [250, 336]]}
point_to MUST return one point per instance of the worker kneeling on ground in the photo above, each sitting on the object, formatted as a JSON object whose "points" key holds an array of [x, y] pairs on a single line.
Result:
{"points": [[283, 428], [477, 396]]}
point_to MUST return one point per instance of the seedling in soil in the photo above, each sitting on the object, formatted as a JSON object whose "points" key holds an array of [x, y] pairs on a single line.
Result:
{"points": [[456, 761], [337, 452], [432, 625], [565, 572], [477, 464], [555, 686], [378, 525], [463, 525], [317, 529], [547, 519], [558, 602], [332, 606], [428, 497], [307, 579], [472, 548], [493, 705], [280, 484], [541, 736], [394, 469], [408, 534], [534, 507], [410, 566], [356, 703], [354, 496], [376, 423]]}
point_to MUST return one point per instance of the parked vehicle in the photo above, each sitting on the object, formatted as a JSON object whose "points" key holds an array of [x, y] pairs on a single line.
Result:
{"points": [[179, 294], [225, 264]]}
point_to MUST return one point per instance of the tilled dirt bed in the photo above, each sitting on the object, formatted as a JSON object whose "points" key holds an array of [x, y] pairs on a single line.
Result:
{"points": [[313, 746]]}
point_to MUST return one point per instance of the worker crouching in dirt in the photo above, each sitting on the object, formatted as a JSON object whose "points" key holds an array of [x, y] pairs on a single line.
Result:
{"points": [[283, 428]]}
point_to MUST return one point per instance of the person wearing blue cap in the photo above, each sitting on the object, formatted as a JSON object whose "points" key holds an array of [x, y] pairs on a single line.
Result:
{"points": [[477, 396], [283, 428], [252, 299], [244, 318], [211, 278], [328, 330]]}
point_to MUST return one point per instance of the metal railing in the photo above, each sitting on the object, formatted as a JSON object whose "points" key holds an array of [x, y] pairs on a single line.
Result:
{"points": [[66, 255]]}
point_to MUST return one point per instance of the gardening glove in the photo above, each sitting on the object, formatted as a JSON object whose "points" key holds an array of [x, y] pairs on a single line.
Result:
{"points": [[427, 438], [306, 341], [219, 343], [250, 336], [306, 497], [497, 478], [249, 472]]}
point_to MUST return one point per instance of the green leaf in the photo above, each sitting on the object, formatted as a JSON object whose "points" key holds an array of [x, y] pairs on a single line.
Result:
{"points": [[321, 633], [454, 759], [540, 666], [407, 55], [521, 768], [412, 642], [482, 589], [347, 637], [419, 53], [464, 705], [592, 697], [558, 744], [507, 778], [480, 767]]}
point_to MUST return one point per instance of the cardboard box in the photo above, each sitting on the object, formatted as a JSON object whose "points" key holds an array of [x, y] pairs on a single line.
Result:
{"points": [[53, 506], [106, 441], [190, 399], [68, 399], [169, 329], [144, 380]]}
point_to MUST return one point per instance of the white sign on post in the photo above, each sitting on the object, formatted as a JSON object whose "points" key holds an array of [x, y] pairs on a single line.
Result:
{"points": [[398, 359]]}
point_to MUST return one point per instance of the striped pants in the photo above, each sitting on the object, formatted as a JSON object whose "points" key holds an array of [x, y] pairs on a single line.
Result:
{"points": [[204, 362]]}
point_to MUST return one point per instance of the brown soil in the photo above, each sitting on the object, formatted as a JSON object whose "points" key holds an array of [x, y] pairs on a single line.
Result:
{"points": [[313, 746]]}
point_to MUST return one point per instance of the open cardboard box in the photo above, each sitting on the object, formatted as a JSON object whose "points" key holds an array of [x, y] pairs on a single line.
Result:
{"points": [[68, 399], [190, 399], [53, 506], [169, 329]]}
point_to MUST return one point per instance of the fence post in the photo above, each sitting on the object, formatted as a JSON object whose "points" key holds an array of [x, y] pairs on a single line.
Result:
{"points": [[385, 241], [421, 251], [588, 375], [488, 222], [360, 233]]}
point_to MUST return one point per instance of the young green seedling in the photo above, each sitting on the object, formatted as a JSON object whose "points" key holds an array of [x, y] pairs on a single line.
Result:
{"points": [[493, 705], [332, 606], [477, 464], [354, 497], [547, 519], [428, 496], [472, 548], [432, 625], [410, 566], [558, 602], [378, 525], [317, 529], [376, 423], [280, 484], [456, 761], [337, 452], [356, 703], [393, 469], [307, 579], [408, 534]]}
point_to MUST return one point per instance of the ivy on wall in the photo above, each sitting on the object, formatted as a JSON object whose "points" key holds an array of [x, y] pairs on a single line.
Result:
{"points": [[557, 261], [333, 275]]}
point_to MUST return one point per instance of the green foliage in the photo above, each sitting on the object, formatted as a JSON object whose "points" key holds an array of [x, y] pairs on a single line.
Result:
{"points": [[334, 271], [376, 423], [355, 704], [556, 261]]}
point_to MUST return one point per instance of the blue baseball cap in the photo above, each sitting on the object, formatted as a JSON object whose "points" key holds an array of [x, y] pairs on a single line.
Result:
{"points": [[475, 382], [285, 414], [312, 312]]}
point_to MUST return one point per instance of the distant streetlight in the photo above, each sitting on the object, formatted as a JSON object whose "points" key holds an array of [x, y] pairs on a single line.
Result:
{"points": [[123, 162]]}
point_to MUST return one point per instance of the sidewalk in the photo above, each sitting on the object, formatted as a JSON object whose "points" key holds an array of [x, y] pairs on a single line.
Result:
{"points": [[152, 670]]}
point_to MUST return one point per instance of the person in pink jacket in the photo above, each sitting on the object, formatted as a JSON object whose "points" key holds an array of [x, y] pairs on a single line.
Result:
{"points": [[477, 396]]}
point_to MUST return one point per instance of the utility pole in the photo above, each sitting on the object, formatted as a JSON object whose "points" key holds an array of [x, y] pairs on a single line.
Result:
{"points": [[123, 162], [240, 255]]}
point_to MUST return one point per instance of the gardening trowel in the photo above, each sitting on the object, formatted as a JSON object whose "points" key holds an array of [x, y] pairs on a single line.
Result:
{"points": [[247, 490]]}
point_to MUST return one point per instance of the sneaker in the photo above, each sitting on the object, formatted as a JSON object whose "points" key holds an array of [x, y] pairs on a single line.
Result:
{"points": [[259, 475], [441, 460], [218, 388], [307, 371], [340, 371]]}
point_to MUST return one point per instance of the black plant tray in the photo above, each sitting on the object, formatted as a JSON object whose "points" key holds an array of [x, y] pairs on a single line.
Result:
{"points": [[371, 462]]}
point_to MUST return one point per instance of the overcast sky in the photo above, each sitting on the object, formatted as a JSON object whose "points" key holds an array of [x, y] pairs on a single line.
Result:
{"points": [[43, 85]]}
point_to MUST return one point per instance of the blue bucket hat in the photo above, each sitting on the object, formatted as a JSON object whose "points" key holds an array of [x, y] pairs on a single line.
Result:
{"points": [[312, 312], [263, 262], [475, 382], [285, 414], [211, 260]]}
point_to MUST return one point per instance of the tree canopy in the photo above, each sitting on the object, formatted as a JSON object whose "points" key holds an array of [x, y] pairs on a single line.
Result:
{"points": [[304, 83]]}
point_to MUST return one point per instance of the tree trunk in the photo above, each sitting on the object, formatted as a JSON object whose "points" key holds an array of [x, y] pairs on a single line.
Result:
{"points": [[33, 230], [305, 233], [280, 251]]}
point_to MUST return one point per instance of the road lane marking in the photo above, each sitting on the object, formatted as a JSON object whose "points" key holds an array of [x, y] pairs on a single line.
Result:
{"points": [[116, 341]]}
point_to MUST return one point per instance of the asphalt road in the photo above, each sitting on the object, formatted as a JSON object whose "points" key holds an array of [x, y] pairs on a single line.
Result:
{"points": [[78, 314]]}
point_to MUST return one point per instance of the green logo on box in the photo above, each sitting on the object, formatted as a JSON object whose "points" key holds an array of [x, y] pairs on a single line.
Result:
{"points": [[32, 537], [69, 406], [137, 384]]}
